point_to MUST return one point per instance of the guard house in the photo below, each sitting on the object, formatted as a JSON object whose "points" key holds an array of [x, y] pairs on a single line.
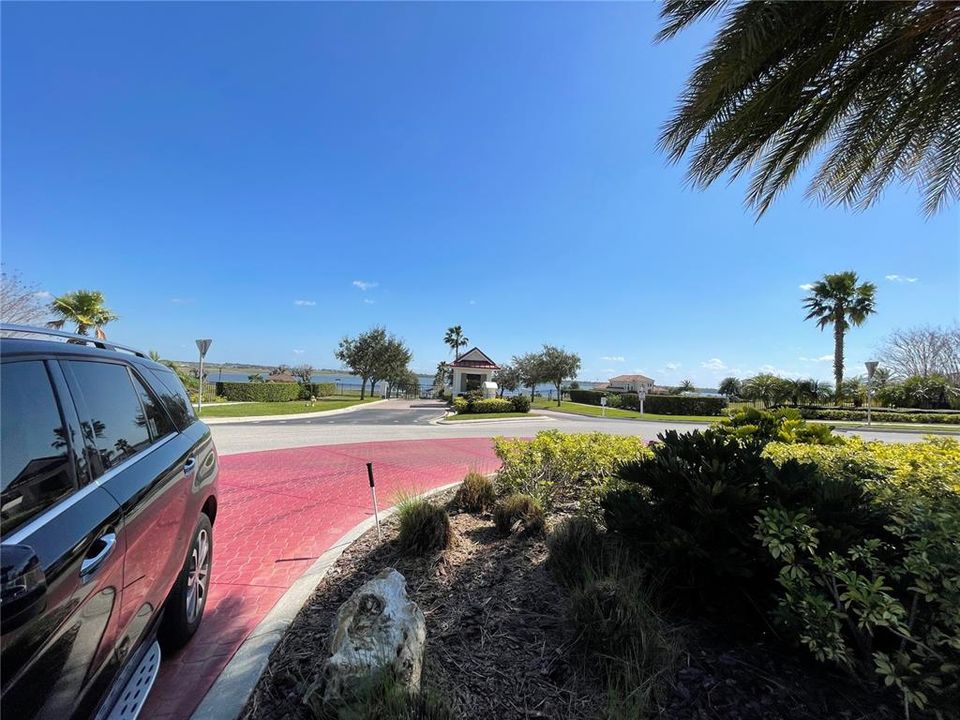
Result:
{"points": [[471, 371]]}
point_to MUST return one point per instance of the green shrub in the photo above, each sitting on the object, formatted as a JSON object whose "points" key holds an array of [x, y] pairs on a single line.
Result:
{"points": [[460, 405], [259, 392], [930, 468], [881, 608], [518, 513], [589, 397], [520, 403], [424, 527], [317, 390], [880, 415], [560, 462], [918, 391], [683, 405], [476, 493], [491, 405], [782, 425], [614, 400], [691, 508]]}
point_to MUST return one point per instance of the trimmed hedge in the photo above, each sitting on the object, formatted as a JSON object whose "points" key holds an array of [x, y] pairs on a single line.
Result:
{"points": [[875, 409], [881, 415], [491, 405], [588, 397], [259, 392], [317, 390], [680, 404], [520, 403]]}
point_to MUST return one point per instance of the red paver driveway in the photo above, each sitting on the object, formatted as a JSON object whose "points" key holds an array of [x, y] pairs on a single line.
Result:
{"points": [[279, 511]]}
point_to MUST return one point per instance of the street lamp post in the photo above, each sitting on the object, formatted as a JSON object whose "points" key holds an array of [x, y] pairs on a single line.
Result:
{"points": [[202, 346], [871, 366]]}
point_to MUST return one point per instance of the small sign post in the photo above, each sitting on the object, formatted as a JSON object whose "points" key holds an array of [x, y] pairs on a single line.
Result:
{"points": [[603, 406], [202, 346], [373, 494], [642, 395]]}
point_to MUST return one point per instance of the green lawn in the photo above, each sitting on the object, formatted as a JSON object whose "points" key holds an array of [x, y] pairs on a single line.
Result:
{"points": [[597, 411], [251, 409], [488, 416]]}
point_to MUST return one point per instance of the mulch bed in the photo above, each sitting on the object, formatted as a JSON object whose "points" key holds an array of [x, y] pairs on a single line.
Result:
{"points": [[499, 645]]}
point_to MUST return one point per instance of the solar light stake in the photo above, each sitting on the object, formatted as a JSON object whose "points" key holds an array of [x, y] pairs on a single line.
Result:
{"points": [[373, 494]]}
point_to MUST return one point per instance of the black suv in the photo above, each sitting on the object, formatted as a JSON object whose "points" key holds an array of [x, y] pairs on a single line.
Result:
{"points": [[107, 505]]}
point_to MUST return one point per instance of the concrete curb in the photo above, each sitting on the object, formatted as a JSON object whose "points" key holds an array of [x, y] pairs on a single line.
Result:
{"points": [[291, 416], [228, 695]]}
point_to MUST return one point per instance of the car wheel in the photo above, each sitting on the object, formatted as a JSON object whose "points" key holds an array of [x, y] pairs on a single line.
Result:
{"points": [[184, 608]]}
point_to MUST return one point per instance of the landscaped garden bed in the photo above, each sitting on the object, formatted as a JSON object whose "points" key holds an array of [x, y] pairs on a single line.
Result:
{"points": [[736, 574]]}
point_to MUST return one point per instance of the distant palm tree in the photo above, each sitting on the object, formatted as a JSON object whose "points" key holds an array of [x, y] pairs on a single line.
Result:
{"points": [[84, 309], [820, 390], [869, 86], [154, 355], [455, 339], [840, 301]]}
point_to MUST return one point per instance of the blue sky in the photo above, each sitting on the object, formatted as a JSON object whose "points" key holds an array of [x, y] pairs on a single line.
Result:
{"points": [[275, 176]]}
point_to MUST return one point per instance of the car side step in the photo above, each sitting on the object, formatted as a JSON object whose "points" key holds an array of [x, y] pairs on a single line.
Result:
{"points": [[135, 692]]}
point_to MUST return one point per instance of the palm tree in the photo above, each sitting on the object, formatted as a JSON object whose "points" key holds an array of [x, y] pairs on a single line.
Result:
{"points": [[455, 340], [870, 86], [839, 300], [83, 308]]}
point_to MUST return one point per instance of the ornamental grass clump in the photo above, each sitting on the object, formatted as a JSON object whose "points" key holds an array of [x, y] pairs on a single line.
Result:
{"points": [[477, 493], [519, 514], [424, 527]]}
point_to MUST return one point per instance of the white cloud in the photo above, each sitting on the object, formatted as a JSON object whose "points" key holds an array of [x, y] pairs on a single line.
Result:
{"points": [[297, 352], [472, 302], [807, 286], [368, 301], [305, 303], [181, 301], [900, 278], [714, 364], [671, 366], [771, 369], [822, 358], [365, 284], [43, 295], [614, 358]]}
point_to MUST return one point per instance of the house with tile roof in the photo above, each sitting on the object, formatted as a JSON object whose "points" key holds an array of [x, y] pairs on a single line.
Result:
{"points": [[471, 370]]}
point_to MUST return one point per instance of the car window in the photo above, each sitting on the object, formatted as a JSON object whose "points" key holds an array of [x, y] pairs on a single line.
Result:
{"points": [[158, 423], [34, 455], [174, 397], [117, 424]]}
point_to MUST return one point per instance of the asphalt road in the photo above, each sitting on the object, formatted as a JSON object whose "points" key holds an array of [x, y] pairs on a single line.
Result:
{"points": [[411, 420]]}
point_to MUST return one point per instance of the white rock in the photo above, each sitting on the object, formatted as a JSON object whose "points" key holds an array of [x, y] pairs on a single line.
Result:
{"points": [[379, 628]]}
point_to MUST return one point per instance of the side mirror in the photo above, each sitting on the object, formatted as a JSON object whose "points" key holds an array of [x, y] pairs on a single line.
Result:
{"points": [[22, 586]]}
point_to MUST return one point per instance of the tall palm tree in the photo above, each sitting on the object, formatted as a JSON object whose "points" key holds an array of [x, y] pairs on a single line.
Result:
{"points": [[455, 339], [84, 309], [873, 87], [838, 300]]}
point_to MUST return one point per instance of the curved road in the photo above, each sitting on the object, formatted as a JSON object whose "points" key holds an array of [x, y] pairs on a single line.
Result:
{"points": [[412, 420]]}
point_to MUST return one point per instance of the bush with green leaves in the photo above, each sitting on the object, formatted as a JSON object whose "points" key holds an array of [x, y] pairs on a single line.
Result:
{"points": [[683, 405], [691, 509], [476, 493], [460, 405], [491, 405], [424, 527], [586, 397], [930, 468], [259, 392], [887, 607], [782, 425], [519, 513], [921, 391], [520, 403], [317, 390], [880, 415], [572, 463]]}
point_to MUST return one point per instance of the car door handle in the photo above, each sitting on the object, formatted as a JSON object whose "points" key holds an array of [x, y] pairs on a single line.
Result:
{"points": [[101, 549], [189, 465]]}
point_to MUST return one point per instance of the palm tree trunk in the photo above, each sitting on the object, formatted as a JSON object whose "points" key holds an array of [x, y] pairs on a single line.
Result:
{"points": [[838, 357]]}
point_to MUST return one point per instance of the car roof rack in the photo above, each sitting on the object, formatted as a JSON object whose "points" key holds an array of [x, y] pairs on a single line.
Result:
{"points": [[19, 330]]}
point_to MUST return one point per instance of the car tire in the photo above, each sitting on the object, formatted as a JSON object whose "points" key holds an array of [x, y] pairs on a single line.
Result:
{"points": [[184, 608]]}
